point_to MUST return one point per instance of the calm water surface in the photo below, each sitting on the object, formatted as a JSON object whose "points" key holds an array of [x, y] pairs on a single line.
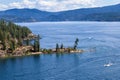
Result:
{"points": [[101, 40]]}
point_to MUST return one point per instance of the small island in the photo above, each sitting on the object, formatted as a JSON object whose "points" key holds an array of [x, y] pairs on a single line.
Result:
{"points": [[18, 40]]}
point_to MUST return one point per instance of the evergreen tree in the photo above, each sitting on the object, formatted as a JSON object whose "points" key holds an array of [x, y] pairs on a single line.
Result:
{"points": [[35, 45], [76, 43], [38, 38], [27, 42], [57, 47], [61, 46]]}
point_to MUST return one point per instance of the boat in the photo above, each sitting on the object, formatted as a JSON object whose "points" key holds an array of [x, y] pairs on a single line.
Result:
{"points": [[107, 65]]}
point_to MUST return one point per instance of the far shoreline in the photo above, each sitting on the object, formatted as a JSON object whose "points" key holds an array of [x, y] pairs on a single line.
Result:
{"points": [[68, 22]]}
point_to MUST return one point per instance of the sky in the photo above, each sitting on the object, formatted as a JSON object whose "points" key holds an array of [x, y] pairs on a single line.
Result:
{"points": [[55, 5]]}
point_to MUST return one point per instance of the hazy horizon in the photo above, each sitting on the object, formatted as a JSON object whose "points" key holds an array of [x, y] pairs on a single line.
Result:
{"points": [[59, 11], [55, 5]]}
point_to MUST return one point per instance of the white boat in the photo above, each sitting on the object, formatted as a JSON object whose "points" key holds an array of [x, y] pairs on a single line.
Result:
{"points": [[90, 38], [107, 65]]}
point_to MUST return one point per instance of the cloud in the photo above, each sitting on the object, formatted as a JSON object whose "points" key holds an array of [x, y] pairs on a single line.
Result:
{"points": [[2, 6], [50, 5], [55, 5], [23, 4]]}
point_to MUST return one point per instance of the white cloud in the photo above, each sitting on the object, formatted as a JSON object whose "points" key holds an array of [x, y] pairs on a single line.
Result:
{"points": [[29, 4], [55, 5], [50, 5], [3, 7], [23, 4], [15, 5]]}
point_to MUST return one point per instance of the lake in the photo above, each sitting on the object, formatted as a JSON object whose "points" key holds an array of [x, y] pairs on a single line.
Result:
{"points": [[100, 40]]}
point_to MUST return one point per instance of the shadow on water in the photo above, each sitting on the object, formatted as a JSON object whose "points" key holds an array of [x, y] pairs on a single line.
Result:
{"points": [[36, 58]]}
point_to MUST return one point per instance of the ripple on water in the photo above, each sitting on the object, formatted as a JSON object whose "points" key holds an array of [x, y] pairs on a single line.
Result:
{"points": [[101, 40]]}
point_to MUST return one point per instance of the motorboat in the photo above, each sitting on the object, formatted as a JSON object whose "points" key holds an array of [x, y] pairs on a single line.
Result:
{"points": [[107, 65]]}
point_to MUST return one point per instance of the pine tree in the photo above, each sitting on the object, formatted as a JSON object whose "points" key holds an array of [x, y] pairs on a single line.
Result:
{"points": [[57, 47], [61, 46], [76, 43], [35, 47], [27, 42], [38, 39]]}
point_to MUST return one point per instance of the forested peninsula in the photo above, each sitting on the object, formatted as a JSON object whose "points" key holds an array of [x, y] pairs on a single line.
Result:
{"points": [[18, 40]]}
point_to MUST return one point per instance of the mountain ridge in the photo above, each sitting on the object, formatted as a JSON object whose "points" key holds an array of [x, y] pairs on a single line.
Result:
{"points": [[106, 13]]}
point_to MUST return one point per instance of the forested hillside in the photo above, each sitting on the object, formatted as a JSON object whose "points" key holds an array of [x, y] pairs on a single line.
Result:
{"points": [[15, 38], [107, 13]]}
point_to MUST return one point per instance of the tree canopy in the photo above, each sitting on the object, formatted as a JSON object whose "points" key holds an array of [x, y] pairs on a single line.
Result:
{"points": [[12, 35]]}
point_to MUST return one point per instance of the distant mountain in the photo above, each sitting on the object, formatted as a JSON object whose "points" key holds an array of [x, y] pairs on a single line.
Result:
{"points": [[107, 13], [24, 15]]}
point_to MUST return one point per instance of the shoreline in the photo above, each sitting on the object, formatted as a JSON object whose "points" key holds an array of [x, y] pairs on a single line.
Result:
{"points": [[15, 56], [39, 53]]}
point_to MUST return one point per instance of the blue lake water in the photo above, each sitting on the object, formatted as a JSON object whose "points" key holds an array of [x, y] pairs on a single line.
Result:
{"points": [[100, 40]]}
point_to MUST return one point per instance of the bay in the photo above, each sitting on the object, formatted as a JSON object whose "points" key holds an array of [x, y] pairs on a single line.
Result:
{"points": [[100, 40]]}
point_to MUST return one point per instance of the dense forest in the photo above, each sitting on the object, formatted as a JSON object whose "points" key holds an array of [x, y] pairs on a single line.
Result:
{"points": [[13, 37]]}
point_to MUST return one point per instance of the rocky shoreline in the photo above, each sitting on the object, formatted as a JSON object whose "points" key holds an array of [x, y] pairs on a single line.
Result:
{"points": [[28, 51]]}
